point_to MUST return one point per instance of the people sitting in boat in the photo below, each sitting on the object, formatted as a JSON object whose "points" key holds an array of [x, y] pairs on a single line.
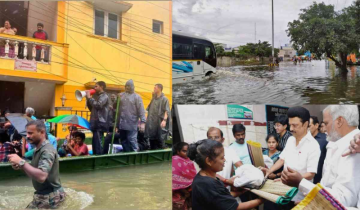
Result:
{"points": [[272, 151], [5, 147], [182, 177], [17, 142], [72, 129], [108, 139], [77, 147], [208, 192], [62, 151]]}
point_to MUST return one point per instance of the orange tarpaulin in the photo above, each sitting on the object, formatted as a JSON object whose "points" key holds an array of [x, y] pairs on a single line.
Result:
{"points": [[352, 58]]}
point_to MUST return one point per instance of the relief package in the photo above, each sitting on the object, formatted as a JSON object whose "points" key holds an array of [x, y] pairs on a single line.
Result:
{"points": [[248, 176]]}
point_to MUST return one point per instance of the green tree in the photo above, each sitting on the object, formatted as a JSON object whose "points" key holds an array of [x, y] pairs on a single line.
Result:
{"points": [[261, 49], [219, 49], [322, 30]]}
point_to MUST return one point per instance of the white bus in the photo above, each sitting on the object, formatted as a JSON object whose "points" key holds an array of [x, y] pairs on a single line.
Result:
{"points": [[193, 58]]}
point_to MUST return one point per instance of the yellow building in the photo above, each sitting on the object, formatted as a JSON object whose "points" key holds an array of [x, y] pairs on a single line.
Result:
{"points": [[87, 42]]}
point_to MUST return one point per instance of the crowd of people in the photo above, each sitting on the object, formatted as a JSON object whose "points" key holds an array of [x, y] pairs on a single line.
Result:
{"points": [[299, 59], [11, 142], [130, 135], [303, 151], [133, 130], [42, 148]]}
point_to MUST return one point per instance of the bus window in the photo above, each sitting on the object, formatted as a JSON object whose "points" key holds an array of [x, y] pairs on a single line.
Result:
{"points": [[209, 54], [182, 51], [198, 51]]}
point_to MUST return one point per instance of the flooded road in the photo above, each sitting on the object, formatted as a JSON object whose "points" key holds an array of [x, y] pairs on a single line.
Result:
{"points": [[133, 187], [306, 83]]}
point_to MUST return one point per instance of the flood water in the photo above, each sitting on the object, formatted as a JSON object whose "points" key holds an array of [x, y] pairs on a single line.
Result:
{"points": [[305, 83], [133, 187]]}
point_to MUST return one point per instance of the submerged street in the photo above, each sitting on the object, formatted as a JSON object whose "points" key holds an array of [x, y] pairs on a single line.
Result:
{"points": [[313, 82], [133, 187]]}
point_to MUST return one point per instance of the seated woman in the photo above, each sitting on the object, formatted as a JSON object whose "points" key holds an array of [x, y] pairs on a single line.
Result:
{"points": [[208, 192], [182, 177], [273, 142], [78, 148]]}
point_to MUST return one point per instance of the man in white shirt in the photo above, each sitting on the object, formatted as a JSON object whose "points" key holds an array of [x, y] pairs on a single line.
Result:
{"points": [[354, 146], [302, 151], [231, 159], [341, 175], [353, 149]]}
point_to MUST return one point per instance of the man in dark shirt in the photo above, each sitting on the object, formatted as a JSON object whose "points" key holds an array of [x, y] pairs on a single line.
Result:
{"points": [[281, 125], [43, 170], [40, 34], [99, 107], [321, 139]]}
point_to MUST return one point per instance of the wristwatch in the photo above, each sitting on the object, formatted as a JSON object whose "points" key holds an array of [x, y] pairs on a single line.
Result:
{"points": [[22, 163]]}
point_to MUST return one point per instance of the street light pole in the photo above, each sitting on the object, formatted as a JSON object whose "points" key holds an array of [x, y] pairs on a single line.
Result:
{"points": [[272, 4]]}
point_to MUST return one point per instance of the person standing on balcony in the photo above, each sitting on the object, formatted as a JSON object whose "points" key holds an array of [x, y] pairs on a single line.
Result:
{"points": [[40, 34], [11, 31], [157, 123], [131, 110], [99, 107]]}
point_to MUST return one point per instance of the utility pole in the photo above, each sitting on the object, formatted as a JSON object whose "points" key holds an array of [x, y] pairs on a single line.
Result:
{"points": [[272, 1], [255, 33]]}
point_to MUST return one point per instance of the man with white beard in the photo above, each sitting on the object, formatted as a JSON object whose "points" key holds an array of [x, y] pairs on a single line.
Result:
{"points": [[341, 175]]}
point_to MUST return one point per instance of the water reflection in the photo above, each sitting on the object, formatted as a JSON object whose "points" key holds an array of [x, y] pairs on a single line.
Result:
{"points": [[308, 82], [138, 187]]}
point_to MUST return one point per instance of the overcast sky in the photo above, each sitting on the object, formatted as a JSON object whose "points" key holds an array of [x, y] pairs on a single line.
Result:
{"points": [[233, 21]]}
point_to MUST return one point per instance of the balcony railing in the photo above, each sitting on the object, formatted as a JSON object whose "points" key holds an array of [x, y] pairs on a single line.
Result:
{"points": [[14, 48]]}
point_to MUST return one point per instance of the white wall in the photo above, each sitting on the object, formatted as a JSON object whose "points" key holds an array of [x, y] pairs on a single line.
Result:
{"points": [[40, 96], [316, 110], [43, 12], [195, 120]]}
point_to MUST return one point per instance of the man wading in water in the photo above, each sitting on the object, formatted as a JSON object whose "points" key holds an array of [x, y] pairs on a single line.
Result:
{"points": [[43, 170]]}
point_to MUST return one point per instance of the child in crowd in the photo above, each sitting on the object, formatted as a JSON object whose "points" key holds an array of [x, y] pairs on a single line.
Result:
{"points": [[78, 147]]}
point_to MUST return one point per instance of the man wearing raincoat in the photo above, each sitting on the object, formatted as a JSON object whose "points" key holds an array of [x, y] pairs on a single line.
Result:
{"points": [[157, 124], [131, 110]]}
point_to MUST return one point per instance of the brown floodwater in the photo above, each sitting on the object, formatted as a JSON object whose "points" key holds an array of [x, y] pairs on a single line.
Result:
{"points": [[133, 187], [313, 82]]}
